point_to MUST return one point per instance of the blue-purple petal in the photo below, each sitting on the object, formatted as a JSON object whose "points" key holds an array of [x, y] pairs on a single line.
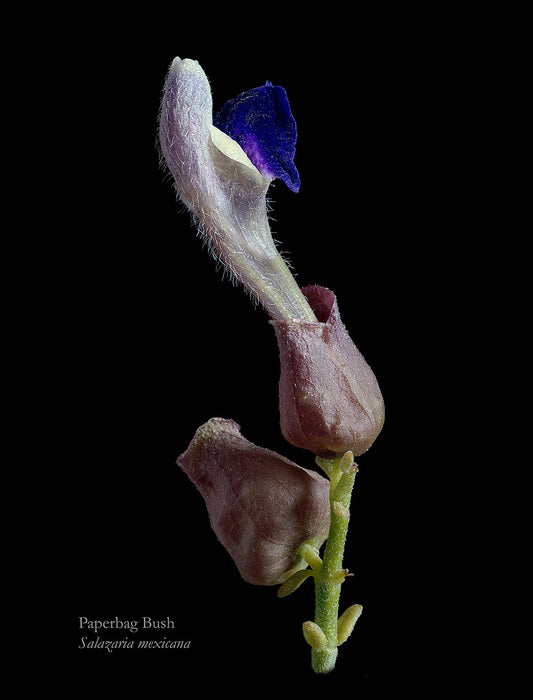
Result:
{"points": [[261, 122]]}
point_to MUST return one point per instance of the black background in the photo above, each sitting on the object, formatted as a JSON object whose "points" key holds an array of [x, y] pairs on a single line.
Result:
{"points": [[151, 341]]}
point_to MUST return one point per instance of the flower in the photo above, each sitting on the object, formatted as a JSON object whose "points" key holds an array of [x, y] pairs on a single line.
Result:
{"points": [[222, 187], [329, 398], [262, 506]]}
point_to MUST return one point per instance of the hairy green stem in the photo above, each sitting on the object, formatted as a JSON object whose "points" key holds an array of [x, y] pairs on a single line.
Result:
{"points": [[327, 587]]}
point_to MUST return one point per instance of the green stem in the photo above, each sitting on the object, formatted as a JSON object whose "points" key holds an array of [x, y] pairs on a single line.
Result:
{"points": [[326, 590]]}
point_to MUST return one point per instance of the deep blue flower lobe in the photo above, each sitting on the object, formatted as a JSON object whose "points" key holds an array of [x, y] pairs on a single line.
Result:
{"points": [[261, 122]]}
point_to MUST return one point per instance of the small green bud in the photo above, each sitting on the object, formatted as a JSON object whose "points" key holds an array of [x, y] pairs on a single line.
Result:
{"points": [[339, 576], [293, 582], [314, 635], [340, 510], [347, 462], [311, 556], [347, 622]]}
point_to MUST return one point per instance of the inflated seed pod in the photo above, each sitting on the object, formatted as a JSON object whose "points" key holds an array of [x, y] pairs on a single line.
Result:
{"points": [[262, 506]]}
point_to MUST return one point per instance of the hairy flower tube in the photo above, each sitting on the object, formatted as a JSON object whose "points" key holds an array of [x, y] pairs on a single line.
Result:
{"points": [[222, 187], [262, 507], [329, 398]]}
